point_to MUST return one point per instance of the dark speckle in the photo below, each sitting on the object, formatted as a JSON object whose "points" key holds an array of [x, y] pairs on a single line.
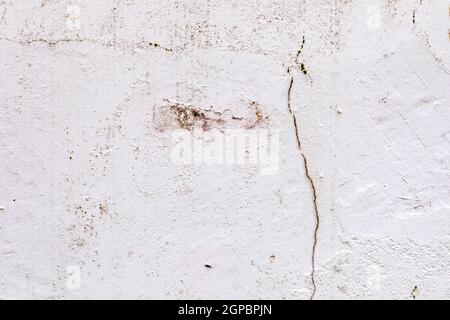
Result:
{"points": [[414, 292], [208, 266], [303, 69]]}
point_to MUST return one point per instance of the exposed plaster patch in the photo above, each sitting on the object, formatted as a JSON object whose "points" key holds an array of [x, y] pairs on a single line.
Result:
{"points": [[172, 115], [189, 117]]}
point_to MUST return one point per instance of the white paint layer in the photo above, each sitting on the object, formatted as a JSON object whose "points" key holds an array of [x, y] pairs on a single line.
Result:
{"points": [[345, 108]]}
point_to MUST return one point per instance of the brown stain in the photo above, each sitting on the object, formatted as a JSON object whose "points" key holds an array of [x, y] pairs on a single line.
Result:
{"points": [[333, 38], [85, 221], [77, 243], [103, 207], [189, 117], [392, 7], [259, 118]]}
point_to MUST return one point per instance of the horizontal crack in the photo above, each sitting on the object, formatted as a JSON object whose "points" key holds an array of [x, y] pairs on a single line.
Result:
{"points": [[109, 44]]}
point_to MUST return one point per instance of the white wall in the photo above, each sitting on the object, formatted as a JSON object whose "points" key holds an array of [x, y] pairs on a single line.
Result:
{"points": [[95, 204]]}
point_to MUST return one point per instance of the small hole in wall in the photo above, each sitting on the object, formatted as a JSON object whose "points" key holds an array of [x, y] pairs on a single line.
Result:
{"points": [[208, 266]]}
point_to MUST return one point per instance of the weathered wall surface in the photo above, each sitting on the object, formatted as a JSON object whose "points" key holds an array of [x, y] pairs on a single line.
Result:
{"points": [[354, 94]]}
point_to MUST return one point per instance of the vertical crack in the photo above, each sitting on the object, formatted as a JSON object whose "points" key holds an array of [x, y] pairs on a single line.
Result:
{"points": [[311, 182]]}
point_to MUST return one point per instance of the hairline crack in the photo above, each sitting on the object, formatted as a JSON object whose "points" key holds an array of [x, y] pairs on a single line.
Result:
{"points": [[311, 182]]}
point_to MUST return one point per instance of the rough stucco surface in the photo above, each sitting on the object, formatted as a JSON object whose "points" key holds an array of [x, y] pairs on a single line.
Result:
{"points": [[358, 92]]}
